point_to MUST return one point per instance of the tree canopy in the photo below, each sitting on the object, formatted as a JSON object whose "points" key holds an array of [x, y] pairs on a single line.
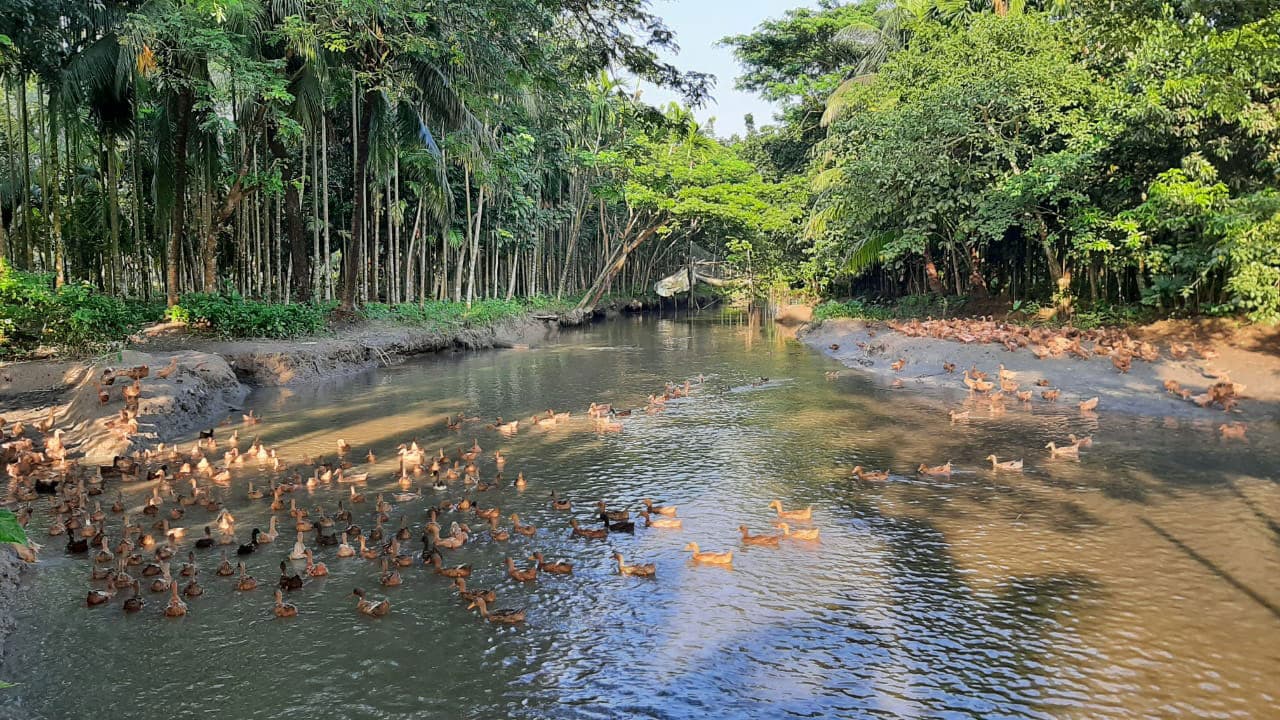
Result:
{"points": [[352, 152], [1059, 152]]}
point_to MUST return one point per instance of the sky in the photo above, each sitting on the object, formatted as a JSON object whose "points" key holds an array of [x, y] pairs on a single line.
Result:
{"points": [[699, 25]]}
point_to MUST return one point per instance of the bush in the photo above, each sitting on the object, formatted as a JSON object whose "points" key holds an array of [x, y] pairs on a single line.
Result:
{"points": [[230, 315], [445, 314], [832, 309], [1254, 254], [911, 306], [32, 313]]}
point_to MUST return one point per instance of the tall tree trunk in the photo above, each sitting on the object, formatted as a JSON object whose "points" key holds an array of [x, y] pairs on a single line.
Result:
{"points": [[178, 222], [931, 273], [977, 283], [113, 212], [300, 264], [324, 173], [315, 220], [24, 116], [352, 259], [475, 246]]}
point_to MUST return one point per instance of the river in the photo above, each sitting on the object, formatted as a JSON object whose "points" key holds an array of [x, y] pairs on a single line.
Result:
{"points": [[1143, 580]]}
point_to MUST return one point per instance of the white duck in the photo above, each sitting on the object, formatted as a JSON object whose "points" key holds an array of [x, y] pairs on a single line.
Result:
{"points": [[299, 551]]}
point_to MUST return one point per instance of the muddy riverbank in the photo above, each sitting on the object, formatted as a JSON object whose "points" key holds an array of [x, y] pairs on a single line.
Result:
{"points": [[873, 348], [206, 379]]}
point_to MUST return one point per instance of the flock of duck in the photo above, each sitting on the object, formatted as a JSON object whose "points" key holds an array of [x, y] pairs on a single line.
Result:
{"points": [[132, 549], [127, 553], [994, 395], [1056, 342]]}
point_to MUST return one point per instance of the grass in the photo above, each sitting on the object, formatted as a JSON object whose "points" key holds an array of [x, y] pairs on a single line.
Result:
{"points": [[445, 314]]}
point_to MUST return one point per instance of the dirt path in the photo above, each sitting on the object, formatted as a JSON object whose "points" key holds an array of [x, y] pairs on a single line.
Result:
{"points": [[873, 348]]}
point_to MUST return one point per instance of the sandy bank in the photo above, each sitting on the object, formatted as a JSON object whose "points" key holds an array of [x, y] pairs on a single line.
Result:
{"points": [[182, 391], [872, 348]]}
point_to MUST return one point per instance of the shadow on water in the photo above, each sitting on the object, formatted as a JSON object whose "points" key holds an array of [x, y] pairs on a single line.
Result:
{"points": [[1257, 511], [1214, 568]]}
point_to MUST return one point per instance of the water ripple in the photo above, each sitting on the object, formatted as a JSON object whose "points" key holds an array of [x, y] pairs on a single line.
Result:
{"points": [[1041, 595]]}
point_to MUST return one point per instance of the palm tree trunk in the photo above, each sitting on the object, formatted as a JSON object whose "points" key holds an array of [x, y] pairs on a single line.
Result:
{"points": [[475, 246], [25, 118], [178, 223], [352, 259], [113, 212], [315, 221], [300, 270], [324, 199]]}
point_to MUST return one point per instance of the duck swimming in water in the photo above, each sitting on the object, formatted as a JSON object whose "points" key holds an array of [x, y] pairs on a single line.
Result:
{"points": [[315, 569], [284, 609], [647, 570], [246, 582], [175, 608], [372, 608], [287, 581], [299, 551], [249, 547], [505, 616]]}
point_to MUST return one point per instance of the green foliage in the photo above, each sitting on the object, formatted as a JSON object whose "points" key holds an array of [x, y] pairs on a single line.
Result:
{"points": [[1108, 315], [1251, 246], [76, 316], [910, 306], [834, 309], [801, 55], [446, 315], [683, 183], [1131, 155], [10, 530], [231, 316], [924, 152]]}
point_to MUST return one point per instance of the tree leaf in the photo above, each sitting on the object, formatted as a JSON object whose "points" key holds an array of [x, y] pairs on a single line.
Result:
{"points": [[10, 530]]}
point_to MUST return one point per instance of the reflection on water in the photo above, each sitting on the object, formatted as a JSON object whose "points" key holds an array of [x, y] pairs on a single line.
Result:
{"points": [[1144, 579]]}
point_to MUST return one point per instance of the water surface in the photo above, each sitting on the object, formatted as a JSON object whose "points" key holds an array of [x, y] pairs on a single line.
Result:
{"points": [[1142, 581]]}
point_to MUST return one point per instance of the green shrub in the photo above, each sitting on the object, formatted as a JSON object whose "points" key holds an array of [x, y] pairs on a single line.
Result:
{"points": [[1254, 254], [832, 309], [229, 315], [378, 311], [445, 314], [487, 312], [32, 313], [10, 529], [1106, 315], [26, 304]]}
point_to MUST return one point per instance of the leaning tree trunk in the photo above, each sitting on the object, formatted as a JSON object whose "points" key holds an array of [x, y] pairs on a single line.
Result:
{"points": [[235, 194], [352, 258], [618, 260]]}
